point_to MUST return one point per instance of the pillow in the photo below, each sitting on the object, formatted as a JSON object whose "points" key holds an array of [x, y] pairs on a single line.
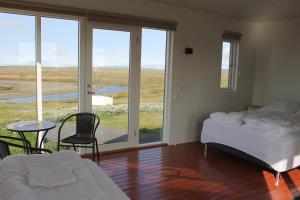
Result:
{"points": [[297, 113], [284, 107]]}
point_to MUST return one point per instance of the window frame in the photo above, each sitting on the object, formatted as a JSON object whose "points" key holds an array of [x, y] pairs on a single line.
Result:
{"points": [[233, 70], [83, 21]]}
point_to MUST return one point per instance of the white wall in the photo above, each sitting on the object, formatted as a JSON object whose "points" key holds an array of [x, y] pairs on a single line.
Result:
{"points": [[198, 74], [277, 67]]}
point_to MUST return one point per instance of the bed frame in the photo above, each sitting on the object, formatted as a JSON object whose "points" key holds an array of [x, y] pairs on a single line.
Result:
{"points": [[242, 155]]}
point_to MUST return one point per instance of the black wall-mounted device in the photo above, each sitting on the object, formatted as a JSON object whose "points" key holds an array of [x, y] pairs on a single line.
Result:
{"points": [[188, 50]]}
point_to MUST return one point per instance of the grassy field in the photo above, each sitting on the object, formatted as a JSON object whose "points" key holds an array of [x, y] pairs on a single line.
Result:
{"points": [[16, 82], [224, 81]]}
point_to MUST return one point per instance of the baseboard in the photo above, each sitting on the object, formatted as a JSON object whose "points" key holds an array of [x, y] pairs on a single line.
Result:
{"points": [[88, 155]]}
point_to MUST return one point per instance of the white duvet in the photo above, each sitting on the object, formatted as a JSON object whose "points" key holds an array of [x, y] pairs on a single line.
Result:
{"points": [[14, 178], [271, 134], [279, 123]]}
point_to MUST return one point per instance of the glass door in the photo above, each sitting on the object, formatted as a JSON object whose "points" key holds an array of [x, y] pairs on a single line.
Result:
{"points": [[109, 83]]}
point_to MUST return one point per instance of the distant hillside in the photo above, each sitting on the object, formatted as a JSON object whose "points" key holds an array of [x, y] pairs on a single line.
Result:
{"points": [[225, 71]]}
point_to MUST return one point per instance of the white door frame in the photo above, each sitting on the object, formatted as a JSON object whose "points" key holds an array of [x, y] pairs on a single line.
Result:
{"points": [[133, 82]]}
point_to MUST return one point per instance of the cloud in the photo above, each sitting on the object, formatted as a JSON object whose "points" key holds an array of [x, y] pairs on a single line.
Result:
{"points": [[12, 25], [105, 58]]}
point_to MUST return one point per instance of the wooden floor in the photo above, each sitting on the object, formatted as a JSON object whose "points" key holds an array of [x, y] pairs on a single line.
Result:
{"points": [[181, 172]]}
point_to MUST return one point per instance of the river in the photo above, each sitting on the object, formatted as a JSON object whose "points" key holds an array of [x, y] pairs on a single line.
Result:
{"points": [[106, 89]]}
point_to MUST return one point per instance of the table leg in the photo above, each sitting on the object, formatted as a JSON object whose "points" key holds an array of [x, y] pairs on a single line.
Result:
{"points": [[26, 150], [44, 135], [37, 139]]}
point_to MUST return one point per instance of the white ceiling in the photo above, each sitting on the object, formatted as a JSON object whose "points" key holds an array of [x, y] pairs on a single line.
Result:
{"points": [[251, 10]]}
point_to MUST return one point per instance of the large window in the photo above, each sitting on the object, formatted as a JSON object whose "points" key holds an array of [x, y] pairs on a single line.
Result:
{"points": [[17, 70], [52, 67], [59, 56], [22, 96], [229, 66]]}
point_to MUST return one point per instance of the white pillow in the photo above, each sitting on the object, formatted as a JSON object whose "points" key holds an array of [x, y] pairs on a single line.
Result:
{"points": [[284, 107]]}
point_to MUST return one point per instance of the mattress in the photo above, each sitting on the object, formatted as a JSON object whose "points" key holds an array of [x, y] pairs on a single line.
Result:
{"points": [[91, 183], [281, 152], [112, 191]]}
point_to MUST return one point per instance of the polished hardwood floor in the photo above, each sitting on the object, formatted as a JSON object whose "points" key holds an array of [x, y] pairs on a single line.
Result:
{"points": [[181, 172]]}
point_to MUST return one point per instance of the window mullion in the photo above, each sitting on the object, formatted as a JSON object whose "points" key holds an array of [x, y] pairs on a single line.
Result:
{"points": [[38, 59]]}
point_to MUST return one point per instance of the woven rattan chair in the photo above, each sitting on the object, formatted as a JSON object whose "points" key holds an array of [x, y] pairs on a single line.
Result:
{"points": [[84, 134], [26, 146]]}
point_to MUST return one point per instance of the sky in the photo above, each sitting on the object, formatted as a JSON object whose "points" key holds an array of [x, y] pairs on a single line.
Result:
{"points": [[60, 44], [225, 55]]}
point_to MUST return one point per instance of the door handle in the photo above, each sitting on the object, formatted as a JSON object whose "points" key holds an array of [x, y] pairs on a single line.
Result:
{"points": [[90, 92]]}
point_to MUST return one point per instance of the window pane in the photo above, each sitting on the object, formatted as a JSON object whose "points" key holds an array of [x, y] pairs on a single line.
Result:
{"points": [[17, 71], [152, 85], [110, 76], [59, 71], [225, 77]]}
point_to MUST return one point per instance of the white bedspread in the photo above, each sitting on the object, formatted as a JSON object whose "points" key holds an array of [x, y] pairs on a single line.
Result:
{"points": [[14, 172], [277, 123], [281, 152]]}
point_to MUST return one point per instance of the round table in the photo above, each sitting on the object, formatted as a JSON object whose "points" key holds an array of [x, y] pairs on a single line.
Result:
{"points": [[32, 126]]}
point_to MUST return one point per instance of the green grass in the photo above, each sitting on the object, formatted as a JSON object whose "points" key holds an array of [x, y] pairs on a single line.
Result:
{"points": [[224, 80], [20, 82]]}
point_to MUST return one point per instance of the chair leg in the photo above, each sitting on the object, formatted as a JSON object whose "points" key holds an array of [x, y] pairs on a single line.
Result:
{"points": [[277, 178], [94, 150], [205, 151], [98, 157], [74, 147]]}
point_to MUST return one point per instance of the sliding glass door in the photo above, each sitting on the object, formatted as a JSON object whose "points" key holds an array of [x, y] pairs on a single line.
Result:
{"points": [[110, 53], [126, 83]]}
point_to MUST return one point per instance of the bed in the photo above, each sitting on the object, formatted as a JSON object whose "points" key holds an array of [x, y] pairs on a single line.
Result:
{"points": [[269, 136], [48, 177]]}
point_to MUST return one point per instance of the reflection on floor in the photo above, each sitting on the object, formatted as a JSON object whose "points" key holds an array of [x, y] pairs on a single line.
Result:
{"points": [[181, 172], [144, 137]]}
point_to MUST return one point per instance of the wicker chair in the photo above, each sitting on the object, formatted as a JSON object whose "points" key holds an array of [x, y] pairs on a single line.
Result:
{"points": [[86, 126], [4, 146]]}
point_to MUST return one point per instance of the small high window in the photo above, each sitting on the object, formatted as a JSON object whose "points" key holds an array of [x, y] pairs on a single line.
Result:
{"points": [[229, 65]]}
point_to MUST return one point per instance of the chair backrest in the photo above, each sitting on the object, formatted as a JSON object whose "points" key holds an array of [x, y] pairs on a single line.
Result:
{"points": [[26, 146], [4, 149], [86, 124]]}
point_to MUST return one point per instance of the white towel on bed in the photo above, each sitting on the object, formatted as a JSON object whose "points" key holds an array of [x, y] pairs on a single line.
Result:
{"points": [[50, 176], [46, 171]]}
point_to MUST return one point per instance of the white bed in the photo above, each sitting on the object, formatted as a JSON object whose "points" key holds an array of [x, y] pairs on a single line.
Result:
{"points": [[91, 182], [271, 134], [282, 153]]}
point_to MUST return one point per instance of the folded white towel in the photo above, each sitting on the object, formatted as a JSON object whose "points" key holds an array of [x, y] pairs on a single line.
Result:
{"points": [[50, 177], [50, 170]]}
